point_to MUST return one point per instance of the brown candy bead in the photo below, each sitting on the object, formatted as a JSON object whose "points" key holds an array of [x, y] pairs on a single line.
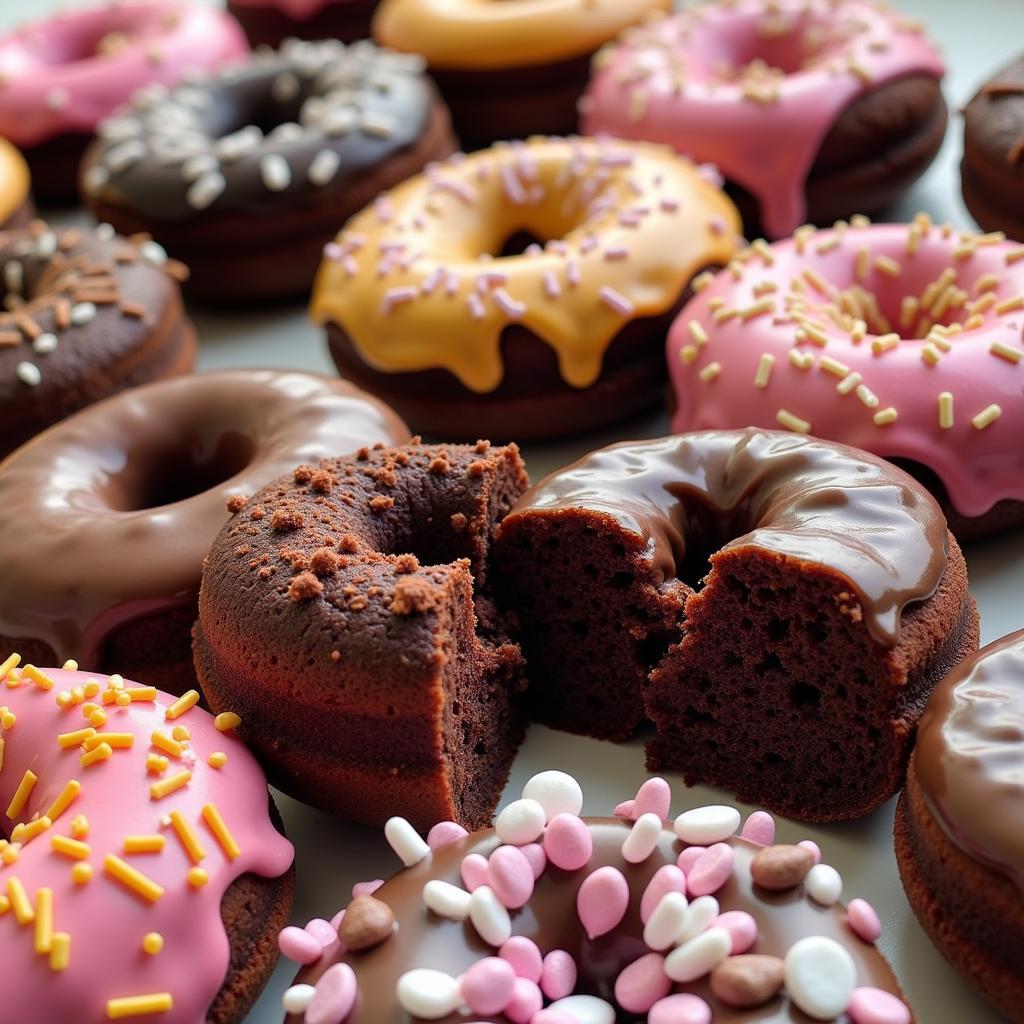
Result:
{"points": [[748, 980], [368, 921], [781, 867]]}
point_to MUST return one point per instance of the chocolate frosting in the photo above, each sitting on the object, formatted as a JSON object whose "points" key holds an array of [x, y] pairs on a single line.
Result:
{"points": [[551, 920], [969, 759], [108, 515], [799, 497]]}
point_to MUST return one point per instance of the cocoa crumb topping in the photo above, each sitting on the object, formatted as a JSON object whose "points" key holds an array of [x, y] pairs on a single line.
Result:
{"points": [[284, 519], [348, 543], [412, 596], [257, 512], [381, 503], [305, 587], [235, 503], [303, 474], [324, 562], [439, 464], [477, 468], [322, 481], [459, 522], [482, 446], [406, 564]]}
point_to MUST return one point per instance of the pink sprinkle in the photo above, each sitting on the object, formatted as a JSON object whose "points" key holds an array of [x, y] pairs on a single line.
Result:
{"points": [[625, 810], [665, 880], [526, 1000], [810, 844], [323, 931], [487, 985], [460, 189], [514, 190], [742, 929], [538, 859], [717, 225], [509, 306], [552, 289], [572, 273], [382, 207], [616, 301], [476, 306], [524, 956], [511, 877], [759, 828], [558, 975], [451, 286], [392, 246], [628, 219], [635, 187], [334, 997], [445, 832], [490, 278], [682, 1008], [396, 297], [653, 797], [386, 266], [558, 246], [427, 287], [863, 920], [589, 244], [533, 249], [689, 857], [483, 172], [876, 1006], [618, 158], [711, 870], [602, 901], [642, 984], [333, 251], [407, 261], [567, 842], [474, 871], [617, 252], [340, 915], [711, 174], [299, 946], [669, 205], [366, 888], [350, 265]]}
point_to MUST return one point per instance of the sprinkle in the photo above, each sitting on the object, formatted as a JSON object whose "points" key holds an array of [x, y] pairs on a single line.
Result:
{"points": [[762, 308], [849, 382], [801, 360], [324, 167], [81, 873], [41, 679], [986, 417], [275, 172], [137, 693], [396, 297], [189, 839], [20, 903], [156, 764], [79, 826], [152, 943], [138, 1006], [697, 332], [67, 847], [97, 754], [703, 279], [786, 419], [45, 344], [217, 759], [809, 331], [1004, 351], [28, 373], [616, 301], [833, 366], [64, 800], [931, 355], [862, 264], [226, 721], [723, 314], [21, 794], [184, 703], [7, 716], [67, 740], [1014, 256], [764, 370], [689, 353], [508, 305], [816, 281], [12, 661], [908, 310], [986, 282], [44, 921], [866, 395], [1010, 305], [60, 951], [886, 416], [710, 372], [205, 189], [132, 879], [169, 785], [884, 343], [888, 266], [144, 844], [197, 877]]}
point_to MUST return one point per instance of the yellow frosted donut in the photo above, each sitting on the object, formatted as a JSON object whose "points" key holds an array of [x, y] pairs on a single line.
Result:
{"points": [[14, 183]]}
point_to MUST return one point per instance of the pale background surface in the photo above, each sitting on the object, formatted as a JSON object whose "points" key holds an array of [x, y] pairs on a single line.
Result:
{"points": [[978, 37]]}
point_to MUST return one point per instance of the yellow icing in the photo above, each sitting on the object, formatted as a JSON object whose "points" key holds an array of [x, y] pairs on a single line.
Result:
{"points": [[463, 210], [492, 34], [14, 181]]}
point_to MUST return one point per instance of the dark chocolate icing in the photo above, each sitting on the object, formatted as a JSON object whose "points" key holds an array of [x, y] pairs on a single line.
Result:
{"points": [[969, 758], [802, 498], [108, 515], [550, 919]]}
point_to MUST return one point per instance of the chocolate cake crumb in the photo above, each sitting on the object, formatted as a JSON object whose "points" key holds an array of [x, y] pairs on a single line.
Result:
{"points": [[235, 503], [481, 446], [256, 512], [324, 562], [406, 563], [459, 522], [348, 543], [413, 595], [439, 464], [285, 519], [363, 454], [303, 474], [477, 468], [381, 503], [322, 481], [305, 587]]}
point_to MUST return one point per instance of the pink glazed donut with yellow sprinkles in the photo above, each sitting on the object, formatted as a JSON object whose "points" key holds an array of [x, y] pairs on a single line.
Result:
{"points": [[811, 109], [901, 339], [141, 873], [60, 77]]}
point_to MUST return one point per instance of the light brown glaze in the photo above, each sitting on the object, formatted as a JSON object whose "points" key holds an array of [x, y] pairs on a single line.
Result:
{"points": [[795, 496], [969, 759]]}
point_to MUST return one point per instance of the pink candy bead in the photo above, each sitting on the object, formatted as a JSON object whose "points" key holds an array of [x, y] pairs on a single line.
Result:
{"points": [[337, 919], [334, 997], [323, 931], [524, 956], [666, 879], [711, 870], [876, 1006], [742, 929], [299, 946], [653, 797], [511, 877], [366, 888], [474, 871], [688, 858], [810, 844], [759, 828], [682, 1008], [558, 975], [487, 985], [567, 842], [538, 859], [525, 1001], [602, 901], [445, 832], [625, 810], [863, 920], [642, 984]]}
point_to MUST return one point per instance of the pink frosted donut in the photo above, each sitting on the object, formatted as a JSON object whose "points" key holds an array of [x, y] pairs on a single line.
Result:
{"points": [[757, 86], [61, 76], [904, 340]]}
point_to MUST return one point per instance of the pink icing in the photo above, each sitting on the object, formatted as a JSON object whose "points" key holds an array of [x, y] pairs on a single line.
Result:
{"points": [[665, 83], [106, 921], [53, 82], [979, 465]]}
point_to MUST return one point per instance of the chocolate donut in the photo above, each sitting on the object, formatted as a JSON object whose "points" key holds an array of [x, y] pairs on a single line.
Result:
{"points": [[248, 173], [126, 496], [87, 314], [16, 208], [959, 840], [368, 574], [835, 595], [992, 170], [270, 22]]}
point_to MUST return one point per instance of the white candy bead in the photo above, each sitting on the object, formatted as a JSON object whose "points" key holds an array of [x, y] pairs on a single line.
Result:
{"points": [[666, 922], [428, 994], [297, 998], [707, 825], [446, 900], [824, 884], [820, 977], [407, 843], [642, 839], [489, 916], [699, 956], [586, 1009], [556, 792], [699, 915], [520, 823]]}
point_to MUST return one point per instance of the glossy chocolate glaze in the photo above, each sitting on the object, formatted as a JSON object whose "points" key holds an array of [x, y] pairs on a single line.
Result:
{"points": [[108, 516], [969, 759], [796, 496], [551, 920]]}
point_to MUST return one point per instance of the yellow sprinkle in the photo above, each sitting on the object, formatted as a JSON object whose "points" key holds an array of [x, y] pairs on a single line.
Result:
{"points": [[20, 903], [81, 873], [764, 250], [10, 662], [152, 943], [44, 921], [860, 71], [863, 263], [76, 738], [24, 834], [181, 733], [67, 847], [710, 372], [91, 688], [7, 716], [1013, 256], [97, 754], [197, 877], [698, 284], [41, 679], [765, 288], [21, 794], [182, 704], [138, 1006], [866, 395], [64, 699], [883, 343], [697, 332], [833, 366], [98, 718], [990, 238], [858, 220], [931, 355], [2, 743], [908, 310], [801, 360], [888, 266], [913, 239], [116, 740], [986, 417], [173, 782], [816, 281], [829, 245], [217, 759], [802, 236], [219, 828], [986, 283], [122, 699], [937, 337], [141, 693], [965, 251], [1010, 305], [848, 383], [765, 366], [762, 308], [144, 844], [786, 419], [60, 951], [188, 836], [11, 852], [723, 314], [1004, 351], [982, 305], [79, 826], [972, 322], [163, 742], [156, 764], [886, 416], [132, 879]]}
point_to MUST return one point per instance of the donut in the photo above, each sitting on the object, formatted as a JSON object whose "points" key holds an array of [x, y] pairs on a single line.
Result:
{"points": [[270, 22], [992, 169], [367, 575], [142, 873], [903, 340], [15, 199], [125, 497], [508, 70], [748, 591], [637, 917], [248, 173], [812, 109], [59, 77], [429, 302], [87, 314], [959, 845]]}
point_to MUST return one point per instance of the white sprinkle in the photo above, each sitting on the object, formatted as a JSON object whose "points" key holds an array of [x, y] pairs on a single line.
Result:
{"points": [[205, 189], [557, 792], [377, 125], [698, 956], [428, 994], [14, 276], [339, 121], [405, 841], [105, 231], [95, 178], [28, 373], [820, 977], [197, 165], [82, 313], [616, 301], [324, 167], [275, 172], [124, 155], [285, 87], [520, 823], [297, 998], [705, 825], [666, 921], [44, 344], [153, 252], [446, 900], [642, 839], [584, 1009], [116, 129], [824, 884], [488, 916]]}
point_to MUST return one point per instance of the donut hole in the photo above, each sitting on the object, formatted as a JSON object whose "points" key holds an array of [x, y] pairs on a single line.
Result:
{"points": [[240, 106]]}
